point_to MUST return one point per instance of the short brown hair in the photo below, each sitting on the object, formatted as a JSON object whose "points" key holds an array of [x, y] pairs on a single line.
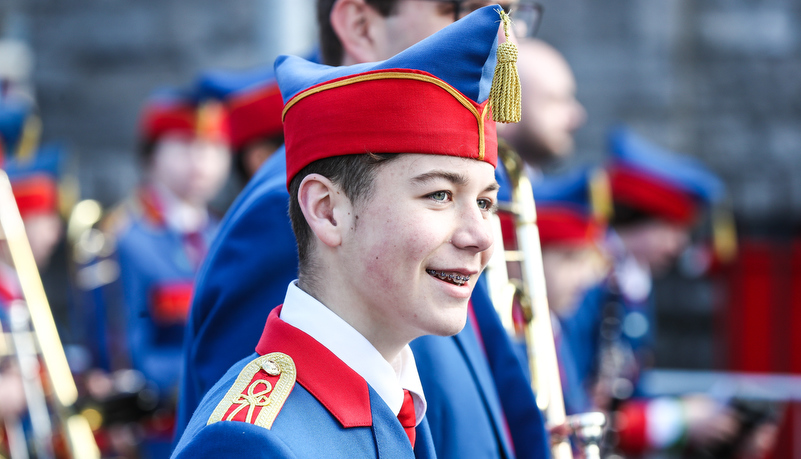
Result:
{"points": [[353, 173], [330, 46]]}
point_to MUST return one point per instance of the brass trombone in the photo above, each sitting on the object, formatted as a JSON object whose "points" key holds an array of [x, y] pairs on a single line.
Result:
{"points": [[34, 337], [530, 293]]}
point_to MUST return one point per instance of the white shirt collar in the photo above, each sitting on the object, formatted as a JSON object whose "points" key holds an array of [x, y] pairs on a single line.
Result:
{"points": [[304, 312], [178, 214], [633, 278]]}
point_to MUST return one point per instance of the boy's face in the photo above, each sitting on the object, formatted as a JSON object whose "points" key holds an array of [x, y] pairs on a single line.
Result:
{"points": [[569, 271], [656, 243], [194, 169], [416, 246]]}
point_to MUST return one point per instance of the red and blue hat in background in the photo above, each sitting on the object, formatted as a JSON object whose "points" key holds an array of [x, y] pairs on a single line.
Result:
{"points": [[657, 182], [437, 97], [176, 112], [34, 180], [573, 208], [253, 101]]}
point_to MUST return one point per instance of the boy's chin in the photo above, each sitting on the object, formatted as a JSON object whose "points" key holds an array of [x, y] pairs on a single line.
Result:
{"points": [[451, 326]]}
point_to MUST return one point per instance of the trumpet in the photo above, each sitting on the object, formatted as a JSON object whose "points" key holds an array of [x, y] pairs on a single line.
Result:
{"points": [[34, 338], [525, 287]]}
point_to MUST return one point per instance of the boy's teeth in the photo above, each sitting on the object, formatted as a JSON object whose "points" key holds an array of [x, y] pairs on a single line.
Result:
{"points": [[457, 279]]}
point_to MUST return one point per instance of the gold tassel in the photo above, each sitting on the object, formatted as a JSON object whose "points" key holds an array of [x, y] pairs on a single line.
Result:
{"points": [[724, 233], [504, 95], [601, 196], [31, 132], [209, 118]]}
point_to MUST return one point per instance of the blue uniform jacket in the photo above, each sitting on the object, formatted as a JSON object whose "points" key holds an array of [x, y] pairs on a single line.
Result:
{"points": [[293, 398], [156, 279], [256, 237]]}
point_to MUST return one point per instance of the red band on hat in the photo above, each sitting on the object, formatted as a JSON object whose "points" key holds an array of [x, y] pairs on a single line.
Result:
{"points": [[640, 190], [256, 114], [35, 194], [204, 121], [386, 111], [558, 225], [158, 120]]}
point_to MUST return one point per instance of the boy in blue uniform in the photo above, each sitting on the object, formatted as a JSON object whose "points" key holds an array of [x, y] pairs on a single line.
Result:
{"points": [[160, 236], [479, 397], [658, 196], [390, 248]]}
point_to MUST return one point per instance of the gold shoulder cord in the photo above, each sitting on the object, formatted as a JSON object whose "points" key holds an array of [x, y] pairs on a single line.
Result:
{"points": [[260, 392]]}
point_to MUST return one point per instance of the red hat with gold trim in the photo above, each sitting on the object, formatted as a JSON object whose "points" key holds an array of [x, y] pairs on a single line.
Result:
{"points": [[170, 111], [439, 96]]}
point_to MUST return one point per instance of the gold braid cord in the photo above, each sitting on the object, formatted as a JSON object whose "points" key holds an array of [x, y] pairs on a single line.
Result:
{"points": [[505, 91], [249, 392]]}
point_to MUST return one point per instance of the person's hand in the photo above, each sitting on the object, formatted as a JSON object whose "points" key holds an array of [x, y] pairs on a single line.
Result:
{"points": [[559, 432], [760, 441], [709, 423]]}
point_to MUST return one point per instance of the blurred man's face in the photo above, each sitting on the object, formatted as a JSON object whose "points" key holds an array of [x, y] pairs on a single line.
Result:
{"points": [[194, 169], [655, 243], [414, 20], [569, 271]]}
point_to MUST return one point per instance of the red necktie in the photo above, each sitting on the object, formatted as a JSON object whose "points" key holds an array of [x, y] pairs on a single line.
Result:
{"points": [[407, 417], [195, 247]]}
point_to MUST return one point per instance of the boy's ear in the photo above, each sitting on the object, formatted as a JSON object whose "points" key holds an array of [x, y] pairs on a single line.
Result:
{"points": [[356, 24], [320, 201]]}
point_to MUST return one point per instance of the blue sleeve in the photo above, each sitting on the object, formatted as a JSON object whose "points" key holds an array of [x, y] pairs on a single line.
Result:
{"points": [[232, 439]]}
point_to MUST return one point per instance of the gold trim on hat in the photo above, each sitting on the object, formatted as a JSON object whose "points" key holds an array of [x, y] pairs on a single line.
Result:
{"points": [[466, 102]]}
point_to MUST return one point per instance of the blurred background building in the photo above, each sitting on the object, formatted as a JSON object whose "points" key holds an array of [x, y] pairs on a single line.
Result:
{"points": [[718, 80]]}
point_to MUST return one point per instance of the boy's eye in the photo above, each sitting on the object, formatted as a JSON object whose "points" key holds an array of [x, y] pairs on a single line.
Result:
{"points": [[486, 204], [439, 196]]}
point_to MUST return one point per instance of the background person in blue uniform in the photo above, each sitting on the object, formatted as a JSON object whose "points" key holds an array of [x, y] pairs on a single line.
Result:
{"points": [[34, 172], [161, 235], [572, 222], [477, 396], [390, 242], [658, 196]]}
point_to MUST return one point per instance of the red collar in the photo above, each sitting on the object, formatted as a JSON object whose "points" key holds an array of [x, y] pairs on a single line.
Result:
{"points": [[334, 384], [150, 206]]}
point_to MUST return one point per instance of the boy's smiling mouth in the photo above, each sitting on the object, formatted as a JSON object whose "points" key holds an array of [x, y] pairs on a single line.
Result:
{"points": [[453, 278]]}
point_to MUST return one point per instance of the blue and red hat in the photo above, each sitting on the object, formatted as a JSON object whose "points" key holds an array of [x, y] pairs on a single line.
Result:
{"points": [[168, 111], [658, 182], [571, 208], [253, 100], [34, 181], [433, 98]]}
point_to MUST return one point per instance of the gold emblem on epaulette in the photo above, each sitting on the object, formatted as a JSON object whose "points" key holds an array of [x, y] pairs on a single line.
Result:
{"points": [[253, 393]]}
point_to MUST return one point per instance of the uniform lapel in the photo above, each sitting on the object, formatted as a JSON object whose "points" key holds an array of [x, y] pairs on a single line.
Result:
{"points": [[390, 439], [476, 358], [424, 445]]}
